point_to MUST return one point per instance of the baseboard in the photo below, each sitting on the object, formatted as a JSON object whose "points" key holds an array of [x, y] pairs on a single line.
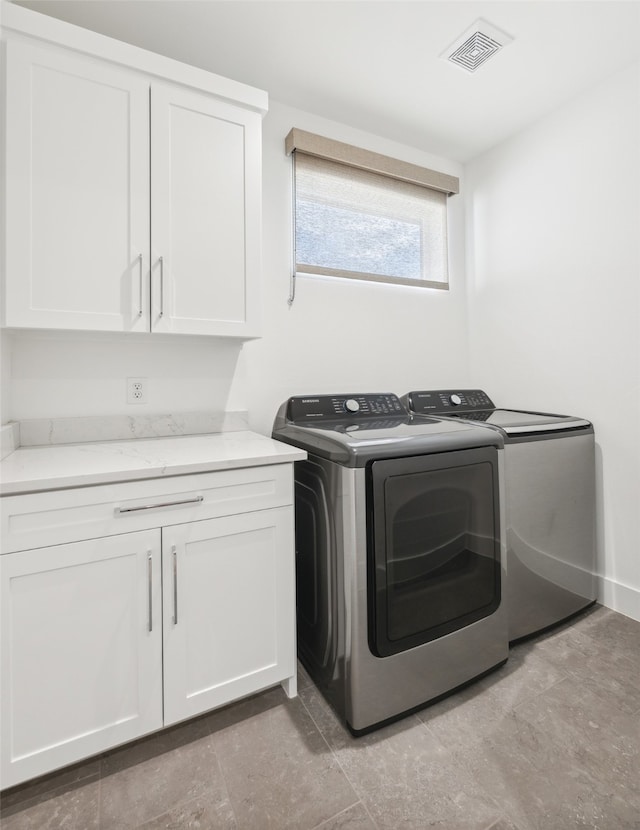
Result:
{"points": [[619, 597]]}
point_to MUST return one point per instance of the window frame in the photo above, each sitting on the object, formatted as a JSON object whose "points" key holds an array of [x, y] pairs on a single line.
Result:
{"points": [[300, 141]]}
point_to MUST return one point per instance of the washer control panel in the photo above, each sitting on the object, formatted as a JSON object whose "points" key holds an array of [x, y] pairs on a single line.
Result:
{"points": [[432, 402], [307, 408]]}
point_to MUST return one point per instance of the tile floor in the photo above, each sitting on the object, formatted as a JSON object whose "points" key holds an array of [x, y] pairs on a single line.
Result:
{"points": [[550, 741]]}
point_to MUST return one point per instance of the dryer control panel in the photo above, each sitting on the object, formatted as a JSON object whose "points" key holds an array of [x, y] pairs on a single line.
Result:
{"points": [[447, 401], [304, 409]]}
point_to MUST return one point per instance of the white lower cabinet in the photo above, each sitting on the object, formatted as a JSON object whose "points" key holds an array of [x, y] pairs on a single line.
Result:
{"points": [[81, 650], [107, 639], [228, 609]]}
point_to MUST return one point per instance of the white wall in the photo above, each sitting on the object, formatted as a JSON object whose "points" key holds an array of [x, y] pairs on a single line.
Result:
{"points": [[6, 345], [338, 336], [553, 263], [346, 335], [64, 374]]}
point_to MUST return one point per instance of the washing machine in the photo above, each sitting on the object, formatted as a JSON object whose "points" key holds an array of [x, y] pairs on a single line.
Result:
{"points": [[400, 553], [549, 485]]}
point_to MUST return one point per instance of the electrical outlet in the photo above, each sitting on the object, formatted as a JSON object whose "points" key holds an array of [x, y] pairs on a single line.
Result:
{"points": [[136, 390]]}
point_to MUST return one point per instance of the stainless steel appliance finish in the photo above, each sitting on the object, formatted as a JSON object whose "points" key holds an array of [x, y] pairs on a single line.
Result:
{"points": [[550, 504], [399, 553]]}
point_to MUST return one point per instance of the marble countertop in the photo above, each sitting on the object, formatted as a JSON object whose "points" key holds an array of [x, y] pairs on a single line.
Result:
{"points": [[33, 469]]}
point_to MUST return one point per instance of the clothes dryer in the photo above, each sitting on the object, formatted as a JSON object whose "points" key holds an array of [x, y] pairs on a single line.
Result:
{"points": [[399, 552]]}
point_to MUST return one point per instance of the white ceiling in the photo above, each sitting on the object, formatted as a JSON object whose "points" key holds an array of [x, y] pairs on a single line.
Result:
{"points": [[375, 65]]}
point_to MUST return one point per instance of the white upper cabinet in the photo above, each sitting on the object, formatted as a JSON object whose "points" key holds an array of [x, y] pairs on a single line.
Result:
{"points": [[205, 217], [77, 190], [133, 195]]}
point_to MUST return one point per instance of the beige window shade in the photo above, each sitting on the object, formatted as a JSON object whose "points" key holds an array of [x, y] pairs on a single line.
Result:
{"points": [[357, 222], [326, 148]]}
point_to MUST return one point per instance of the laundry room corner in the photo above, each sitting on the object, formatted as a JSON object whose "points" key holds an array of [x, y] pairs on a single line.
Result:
{"points": [[553, 265]]}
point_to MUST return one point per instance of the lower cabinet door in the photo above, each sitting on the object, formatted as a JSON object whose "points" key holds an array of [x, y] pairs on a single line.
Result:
{"points": [[81, 650], [229, 609]]}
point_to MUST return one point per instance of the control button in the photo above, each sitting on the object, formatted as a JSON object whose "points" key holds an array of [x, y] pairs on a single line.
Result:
{"points": [[351, 405], [456, 400]]}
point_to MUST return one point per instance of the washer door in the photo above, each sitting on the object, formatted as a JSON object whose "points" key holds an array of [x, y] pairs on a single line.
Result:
{"points": [[434, 546]]}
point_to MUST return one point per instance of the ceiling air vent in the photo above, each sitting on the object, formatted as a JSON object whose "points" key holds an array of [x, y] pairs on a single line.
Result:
{"points": [[476, 45]]}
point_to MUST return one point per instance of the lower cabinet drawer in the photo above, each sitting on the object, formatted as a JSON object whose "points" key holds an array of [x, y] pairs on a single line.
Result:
{"points": [[53, 518]]}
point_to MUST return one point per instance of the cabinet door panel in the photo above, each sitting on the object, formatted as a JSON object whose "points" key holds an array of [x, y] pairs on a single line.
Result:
{"points": [[235, 609], [81, 667], [77, 192], [205, 192]]}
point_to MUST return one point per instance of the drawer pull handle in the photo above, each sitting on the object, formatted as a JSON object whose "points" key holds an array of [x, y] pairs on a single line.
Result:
{"points": [[158, 506], [175, 584], [150, 575]]}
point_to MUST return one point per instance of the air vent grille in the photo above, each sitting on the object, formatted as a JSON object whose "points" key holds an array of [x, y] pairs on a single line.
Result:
{"points": [[480, 42], [475, 51]]}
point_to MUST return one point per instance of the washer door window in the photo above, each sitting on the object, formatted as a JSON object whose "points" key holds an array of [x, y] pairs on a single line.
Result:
{"points": [[434, 552]]}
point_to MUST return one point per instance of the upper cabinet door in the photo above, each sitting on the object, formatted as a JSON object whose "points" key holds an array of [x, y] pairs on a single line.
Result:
{"points": [[205, 214], [77, 189]]}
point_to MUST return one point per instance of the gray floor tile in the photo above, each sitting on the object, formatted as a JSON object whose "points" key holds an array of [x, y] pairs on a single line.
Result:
{"points": [[475, 712], [150, 778], [66, 778], [464, 718], [353, 818], [75, 807], [204, 813], [524, 676], [404, 775], [603, 743], [503, 824], [612, 630], [543, 784], [278, 770], [611, 670]]}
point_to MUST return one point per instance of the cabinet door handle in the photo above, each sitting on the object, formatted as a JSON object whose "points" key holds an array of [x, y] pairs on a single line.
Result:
{"points": [[175, 584], [140, 274], [120, 510], [150, 578], [162, 286]]}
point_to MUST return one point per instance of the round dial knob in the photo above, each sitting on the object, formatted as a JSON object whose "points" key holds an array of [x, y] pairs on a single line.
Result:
{"points": [[351, 405], [456, 400]]}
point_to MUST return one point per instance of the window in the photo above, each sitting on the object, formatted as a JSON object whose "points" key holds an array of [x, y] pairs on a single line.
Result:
{"points": [[365, 216]]}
